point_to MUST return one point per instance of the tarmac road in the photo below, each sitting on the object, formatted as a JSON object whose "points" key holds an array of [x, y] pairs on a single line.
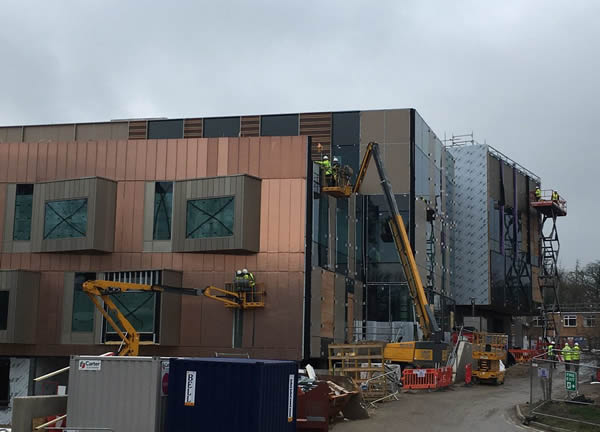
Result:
{"points": [[479, 408]]}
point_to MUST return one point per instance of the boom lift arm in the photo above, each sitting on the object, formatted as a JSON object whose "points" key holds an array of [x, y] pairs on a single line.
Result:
{"points": [[103, 289], [424, 312]]}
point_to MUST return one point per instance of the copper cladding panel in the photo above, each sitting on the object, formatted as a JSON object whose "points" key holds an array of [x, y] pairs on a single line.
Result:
{"points": [[266, 157], [2, 210]]}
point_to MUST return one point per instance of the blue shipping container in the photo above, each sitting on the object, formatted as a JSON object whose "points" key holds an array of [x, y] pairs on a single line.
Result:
{"points": [[231, 395]]}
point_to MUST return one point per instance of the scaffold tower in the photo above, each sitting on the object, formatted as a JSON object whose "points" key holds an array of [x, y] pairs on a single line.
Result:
{"points": [[549, 205]]}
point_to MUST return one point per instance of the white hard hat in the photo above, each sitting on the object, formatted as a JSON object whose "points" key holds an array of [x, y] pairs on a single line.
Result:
{"points": [[239, 272], [335, 159], [245, 271], [325, 157], [577, 343]]}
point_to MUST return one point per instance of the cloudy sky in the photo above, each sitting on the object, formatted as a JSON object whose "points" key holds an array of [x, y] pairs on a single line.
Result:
{"points": [[522, 75]]}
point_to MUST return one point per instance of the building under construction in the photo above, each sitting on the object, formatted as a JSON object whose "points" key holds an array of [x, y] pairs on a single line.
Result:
{"points": [[187, 202]]}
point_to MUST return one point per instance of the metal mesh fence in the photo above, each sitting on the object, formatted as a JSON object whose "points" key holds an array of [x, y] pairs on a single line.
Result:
{"points": [[565, 391]]}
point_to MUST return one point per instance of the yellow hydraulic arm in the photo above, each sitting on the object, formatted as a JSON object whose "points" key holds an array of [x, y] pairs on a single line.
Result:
{"points": [[103, 289], [236, 299], [425, 315]]}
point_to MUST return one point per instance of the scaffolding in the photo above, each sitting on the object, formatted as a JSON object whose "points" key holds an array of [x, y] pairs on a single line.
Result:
{"points": [[549, 205]]}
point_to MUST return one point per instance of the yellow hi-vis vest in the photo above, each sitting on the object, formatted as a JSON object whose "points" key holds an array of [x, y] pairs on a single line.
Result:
{"points": [[576, 353], [566, 352]]}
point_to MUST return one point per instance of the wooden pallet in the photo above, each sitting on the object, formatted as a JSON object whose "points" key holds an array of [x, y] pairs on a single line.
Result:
{"points": [[363, 362]]}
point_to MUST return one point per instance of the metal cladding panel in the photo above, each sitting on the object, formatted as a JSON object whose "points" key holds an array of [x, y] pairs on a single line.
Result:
{"points": [[12, 133], [101, 196], [231, 395], [339, 309], [246, 191], [23, 301], [123, 395], [102, 131], [471, 250]]}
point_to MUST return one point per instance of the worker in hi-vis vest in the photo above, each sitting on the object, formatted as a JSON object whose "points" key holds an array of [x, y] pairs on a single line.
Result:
{"points": [[327, 170], [576, 356], [566, 353]]}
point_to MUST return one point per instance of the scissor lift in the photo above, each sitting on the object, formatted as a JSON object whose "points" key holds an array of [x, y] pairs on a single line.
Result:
{"points": [[550, 206]]}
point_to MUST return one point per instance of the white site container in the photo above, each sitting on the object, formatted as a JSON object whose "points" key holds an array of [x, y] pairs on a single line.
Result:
{"points": [[122, 394]]}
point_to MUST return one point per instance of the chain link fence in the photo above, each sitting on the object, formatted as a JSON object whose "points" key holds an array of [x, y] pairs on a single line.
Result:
{"points": [[564, 393]]}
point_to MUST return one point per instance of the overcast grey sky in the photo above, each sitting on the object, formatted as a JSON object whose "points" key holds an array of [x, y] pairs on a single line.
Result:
{"points": [[522, 75]]}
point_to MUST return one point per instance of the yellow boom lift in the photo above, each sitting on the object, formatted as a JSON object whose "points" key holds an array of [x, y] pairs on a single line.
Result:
{"points": [[431, 351], [100, 292]]}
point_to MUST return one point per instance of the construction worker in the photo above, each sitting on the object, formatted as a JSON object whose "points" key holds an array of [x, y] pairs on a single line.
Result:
{"points": [[554, 196], [566, 353], [538, 193], [238, 280], [550, 351], [576, 356], [249, 279], [326, 169]]}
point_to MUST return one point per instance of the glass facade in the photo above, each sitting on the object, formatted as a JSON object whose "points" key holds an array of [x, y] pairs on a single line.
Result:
{"points": [[221, 127], [383, 263], [83, 308], [23, 209], [360, 241], [341, 226], [163, 210], [4, 297], [388, 303], [65, 219], [279, 125], [210, 217], [320, 222], [164, 129]]}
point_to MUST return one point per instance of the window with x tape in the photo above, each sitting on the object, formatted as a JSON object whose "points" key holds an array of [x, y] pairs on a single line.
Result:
{"points": [[210, 217]]}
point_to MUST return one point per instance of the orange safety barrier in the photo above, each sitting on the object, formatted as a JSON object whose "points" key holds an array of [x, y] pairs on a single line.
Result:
{"points": [[444, 376], [468, 373], [418, 379], [524, 356]]}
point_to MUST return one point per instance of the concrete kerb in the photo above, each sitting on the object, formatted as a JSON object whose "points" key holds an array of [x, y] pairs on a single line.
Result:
{"points": [[536, 425]]}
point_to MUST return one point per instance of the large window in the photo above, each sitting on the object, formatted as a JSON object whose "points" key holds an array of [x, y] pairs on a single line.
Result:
{"points": [[570, 321], [163, 210], [279, 125], [83, 308], [141, 308], [589, 321], [65, 219], [341, 226], [221, 127], [163, 129], [3, 309], [210, 217], [4, 382], [23, 206]]}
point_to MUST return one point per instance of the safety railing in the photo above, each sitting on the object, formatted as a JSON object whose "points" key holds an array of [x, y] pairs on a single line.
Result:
{"points": [[524, 355], [563, 393], [426, 379], [548, 196], [489, 346]]}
